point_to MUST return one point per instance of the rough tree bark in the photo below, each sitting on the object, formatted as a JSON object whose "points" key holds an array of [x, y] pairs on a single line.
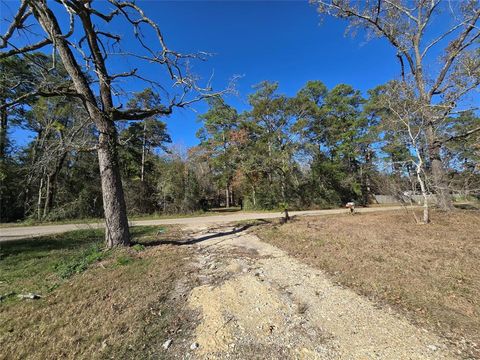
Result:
{"points": [[437, 171], [419, 169], [39, 199], [227, 197], [117, 231]]}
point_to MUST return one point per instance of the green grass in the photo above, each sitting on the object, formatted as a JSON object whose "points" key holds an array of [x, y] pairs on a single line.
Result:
{"points": [[80, 263], [34, 222], [95, 304], [39, 265]]}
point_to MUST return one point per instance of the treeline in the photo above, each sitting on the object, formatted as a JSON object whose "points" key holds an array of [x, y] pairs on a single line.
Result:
{"points": [[320, 148], [325, 147]]}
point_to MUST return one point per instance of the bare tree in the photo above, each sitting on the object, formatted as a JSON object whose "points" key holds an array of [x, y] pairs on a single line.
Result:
{"points": [[408, 117], [87, 63], [62, 128], [443, 88]]}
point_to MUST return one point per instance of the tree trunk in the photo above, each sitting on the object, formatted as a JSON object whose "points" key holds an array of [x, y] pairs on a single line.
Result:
{"points": [[426, 209], [52, 185], [254, 197], [3, 132], [39, 200], [438, 173], [365, 179], [227, 197], [423, 188], [283, 189], [117, 231], [144, 140], [3, 152], [48, 196]]}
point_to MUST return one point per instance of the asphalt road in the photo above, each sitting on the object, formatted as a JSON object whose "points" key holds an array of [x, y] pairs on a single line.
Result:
{"points": [[22, 232]]}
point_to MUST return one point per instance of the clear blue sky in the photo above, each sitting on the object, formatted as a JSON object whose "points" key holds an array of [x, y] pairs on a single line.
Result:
{"points": [[280, 41]]}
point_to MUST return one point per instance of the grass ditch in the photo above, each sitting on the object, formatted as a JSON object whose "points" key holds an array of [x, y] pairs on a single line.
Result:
{"points": [[428, 272], [94, 304], [39, 265]]}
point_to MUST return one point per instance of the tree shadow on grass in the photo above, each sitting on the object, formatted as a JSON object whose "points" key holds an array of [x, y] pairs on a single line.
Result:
{"points": [[70, 240], [41, 246]]}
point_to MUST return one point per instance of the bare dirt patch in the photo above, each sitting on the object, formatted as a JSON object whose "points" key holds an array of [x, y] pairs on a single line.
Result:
{"points": [[240, 313], [430, 272]]}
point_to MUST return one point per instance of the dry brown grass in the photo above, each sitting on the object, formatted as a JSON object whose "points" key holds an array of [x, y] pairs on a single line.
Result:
{"points": [[119, 308], [430, 272]]}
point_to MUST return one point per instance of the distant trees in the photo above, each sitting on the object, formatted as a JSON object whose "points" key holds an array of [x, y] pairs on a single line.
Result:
{"points": [[311, 149], [140, 143], [339, 129], [220, 124], [441, 88], [14, 83], [273, 143], [462, 151], [149, 134], [318, 148], [61, 128]]}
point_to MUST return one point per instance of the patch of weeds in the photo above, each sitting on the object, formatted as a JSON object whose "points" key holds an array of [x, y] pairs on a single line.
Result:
{"points": [[138, 247], [3, 297], [53, 287], [124, 260], [80, 263]]}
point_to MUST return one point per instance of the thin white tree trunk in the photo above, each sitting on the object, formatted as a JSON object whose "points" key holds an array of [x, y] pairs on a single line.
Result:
{"points": [[48, 196], [39, 200], [426, 209], [421, 181]]}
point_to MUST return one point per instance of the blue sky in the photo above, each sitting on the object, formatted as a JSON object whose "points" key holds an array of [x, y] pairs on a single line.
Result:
{"points": [[282, 41], [262, 40]]}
